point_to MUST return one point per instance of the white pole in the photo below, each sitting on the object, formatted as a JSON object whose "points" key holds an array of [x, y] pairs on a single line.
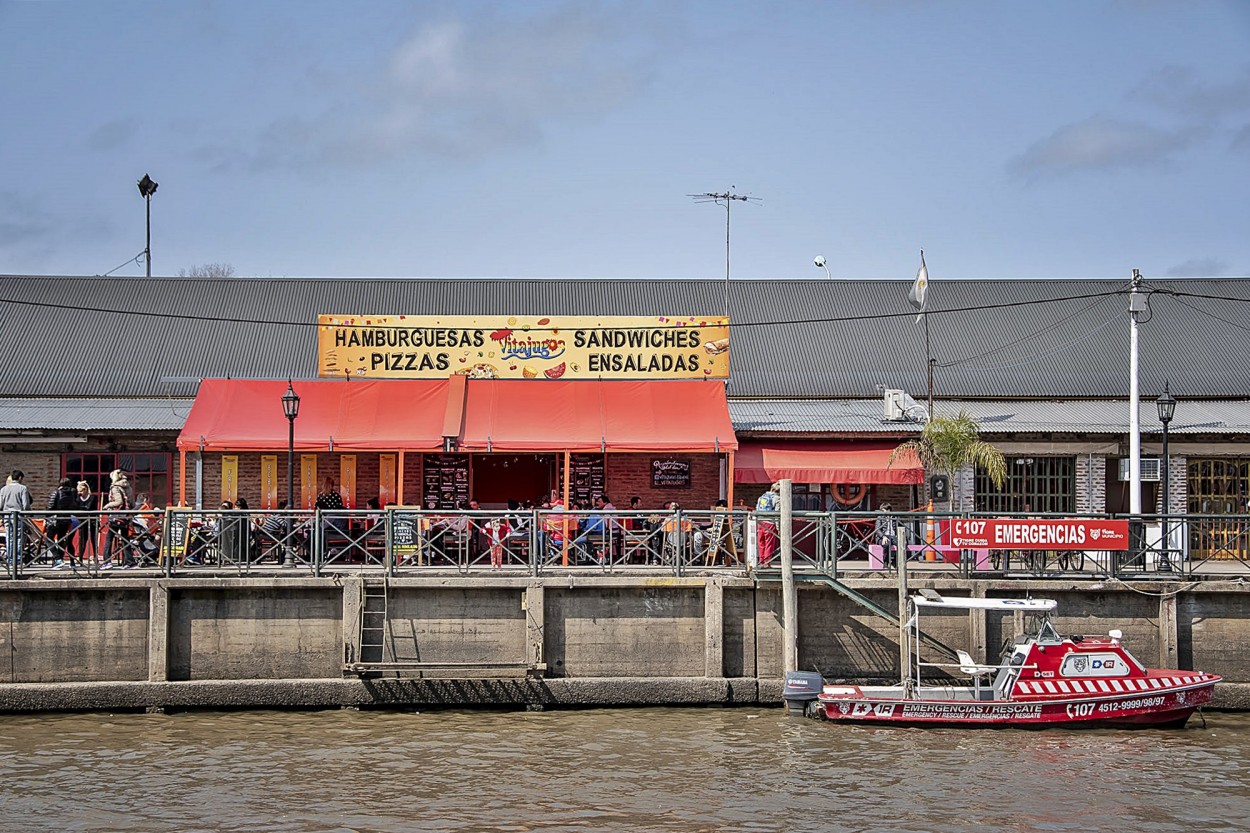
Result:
{"points": [[1135, 307], [789, 600]]}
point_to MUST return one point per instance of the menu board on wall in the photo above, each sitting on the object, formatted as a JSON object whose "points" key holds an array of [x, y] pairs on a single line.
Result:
{"points": [[669, 473], [588, 477], [445, 480]]}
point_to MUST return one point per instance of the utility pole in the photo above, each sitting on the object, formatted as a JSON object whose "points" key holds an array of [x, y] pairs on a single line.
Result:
{"points": [[1136, 306], [727, 198]]}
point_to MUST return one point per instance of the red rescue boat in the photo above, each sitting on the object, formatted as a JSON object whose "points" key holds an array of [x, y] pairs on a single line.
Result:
{"points": [[1043, 679]]}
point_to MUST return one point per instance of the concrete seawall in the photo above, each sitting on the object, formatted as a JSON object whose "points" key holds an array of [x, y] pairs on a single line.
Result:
{"points": [[455, 641]]}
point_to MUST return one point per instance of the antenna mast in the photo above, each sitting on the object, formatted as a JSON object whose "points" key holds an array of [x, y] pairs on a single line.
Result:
{"points": [[727, 198]]}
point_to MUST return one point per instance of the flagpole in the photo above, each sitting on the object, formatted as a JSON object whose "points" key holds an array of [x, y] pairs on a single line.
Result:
{"points": [[928, 360]]}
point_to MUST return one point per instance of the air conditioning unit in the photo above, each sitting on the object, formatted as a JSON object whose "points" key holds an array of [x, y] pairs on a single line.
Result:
{"points": [[1151, 470], [895, 410]]}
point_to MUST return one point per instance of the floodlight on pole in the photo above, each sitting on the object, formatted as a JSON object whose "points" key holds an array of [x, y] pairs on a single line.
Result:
{"points": [[820, 264], [147, 187]]}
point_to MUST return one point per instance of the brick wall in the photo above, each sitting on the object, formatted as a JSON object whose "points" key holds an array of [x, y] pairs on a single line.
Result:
{"points": [[43, 466], [42, 469], [630, 474], [1178, 486], [1091, 483], [367, 476]]}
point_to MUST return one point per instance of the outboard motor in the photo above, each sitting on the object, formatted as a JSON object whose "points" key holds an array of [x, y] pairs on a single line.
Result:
{"points": [[801, 688]]}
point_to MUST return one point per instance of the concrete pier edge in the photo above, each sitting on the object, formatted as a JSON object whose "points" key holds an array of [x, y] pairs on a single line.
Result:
{"points": [[423, 694]]}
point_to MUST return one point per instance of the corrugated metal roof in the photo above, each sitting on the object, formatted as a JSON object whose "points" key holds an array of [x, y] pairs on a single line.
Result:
{"points": [[791, 338], [93, 414], [1099, 416], [753, 416]]}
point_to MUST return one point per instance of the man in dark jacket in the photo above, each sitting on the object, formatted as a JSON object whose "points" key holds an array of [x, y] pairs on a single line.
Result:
{"points": [[59, 527]]}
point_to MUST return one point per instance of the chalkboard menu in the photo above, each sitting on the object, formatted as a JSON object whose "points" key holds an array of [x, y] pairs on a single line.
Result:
{"points": [[175, 534], [668, 473], [445, 480], [588, 478], [405, 536]]}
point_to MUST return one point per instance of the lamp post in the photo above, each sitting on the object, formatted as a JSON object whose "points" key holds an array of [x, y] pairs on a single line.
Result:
{"points": [[1167, 409], [147, 187], [290, 407]]}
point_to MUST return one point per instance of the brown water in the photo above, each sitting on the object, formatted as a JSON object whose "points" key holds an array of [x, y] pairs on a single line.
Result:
{"points": [[637, 770]]}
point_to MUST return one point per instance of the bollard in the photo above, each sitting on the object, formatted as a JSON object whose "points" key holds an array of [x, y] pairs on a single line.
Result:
{"points": [[930, 554]]}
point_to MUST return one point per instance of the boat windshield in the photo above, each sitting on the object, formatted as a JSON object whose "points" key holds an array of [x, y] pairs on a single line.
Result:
{"points": [[1046, 633]]}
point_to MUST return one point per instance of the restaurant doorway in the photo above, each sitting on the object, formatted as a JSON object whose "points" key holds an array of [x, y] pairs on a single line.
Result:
{"points": [[500, 477]]}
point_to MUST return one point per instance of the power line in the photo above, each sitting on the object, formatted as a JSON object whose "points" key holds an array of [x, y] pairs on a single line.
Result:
{"points": [[740, 324], [1024, 338]]}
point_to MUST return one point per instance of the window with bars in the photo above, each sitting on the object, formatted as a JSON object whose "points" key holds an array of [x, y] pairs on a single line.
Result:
{"points": [[1034, 484], [149, 472], [1218, 486]]}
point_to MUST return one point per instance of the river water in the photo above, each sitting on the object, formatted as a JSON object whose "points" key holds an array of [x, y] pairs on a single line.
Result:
{"points": [[682, 770]]}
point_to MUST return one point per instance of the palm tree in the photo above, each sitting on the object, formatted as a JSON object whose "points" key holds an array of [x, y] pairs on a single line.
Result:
{"points": [[947, 444]]}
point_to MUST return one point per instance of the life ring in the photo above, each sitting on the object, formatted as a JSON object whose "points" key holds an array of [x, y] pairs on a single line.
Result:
{"points": [[848, 494]]}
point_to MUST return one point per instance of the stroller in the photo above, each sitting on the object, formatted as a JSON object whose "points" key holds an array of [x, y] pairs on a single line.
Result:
{"points": [[144, 542]]}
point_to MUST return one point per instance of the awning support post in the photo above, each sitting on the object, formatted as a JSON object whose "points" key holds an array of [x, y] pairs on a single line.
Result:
{"points": [[399, 485], [564, 555]]}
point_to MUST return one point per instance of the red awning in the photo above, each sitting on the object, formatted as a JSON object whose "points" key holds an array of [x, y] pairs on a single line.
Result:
{"points": [[824, 461], [590, 416], [246, 415]]}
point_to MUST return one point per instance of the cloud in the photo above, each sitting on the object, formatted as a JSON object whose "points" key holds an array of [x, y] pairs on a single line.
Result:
{"points": [[23, 222], [461, 90], [112, 134], [1175, 89], [1100, 143], [1198, 267], [1182, 110], [29, 231]]}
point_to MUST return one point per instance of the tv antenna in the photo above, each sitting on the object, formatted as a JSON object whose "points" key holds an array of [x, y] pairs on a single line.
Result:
{"points": [[727, 199]]}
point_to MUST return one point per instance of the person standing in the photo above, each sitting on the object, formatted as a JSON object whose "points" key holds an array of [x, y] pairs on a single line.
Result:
{"points": [[766, 533], [330, 499], [14, 498], [121, 499], [885, 533], [59, 526], [88, 521]]}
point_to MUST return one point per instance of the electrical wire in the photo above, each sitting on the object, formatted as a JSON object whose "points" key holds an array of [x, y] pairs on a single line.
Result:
{"points": [[1024, 338], [131, 312]]}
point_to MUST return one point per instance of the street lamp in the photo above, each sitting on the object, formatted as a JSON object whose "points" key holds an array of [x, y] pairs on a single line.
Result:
{"points": [[147, 187], [1167, 409], [290, 407]]}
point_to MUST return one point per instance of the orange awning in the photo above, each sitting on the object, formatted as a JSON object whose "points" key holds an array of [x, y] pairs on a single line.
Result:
{"points": [[246, 415], [824, 461], [590, 416]]}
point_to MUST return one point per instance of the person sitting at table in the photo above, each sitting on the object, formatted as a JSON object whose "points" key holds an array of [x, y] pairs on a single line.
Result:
{"points": [[710, 538], [275, 532], [596, 526]]}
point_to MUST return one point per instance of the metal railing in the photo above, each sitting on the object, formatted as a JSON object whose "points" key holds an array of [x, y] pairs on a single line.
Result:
{"points": [[401, 541]]}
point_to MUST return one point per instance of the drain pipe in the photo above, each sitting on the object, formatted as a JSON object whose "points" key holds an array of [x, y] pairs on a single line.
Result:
{"points": [[789, 602]]}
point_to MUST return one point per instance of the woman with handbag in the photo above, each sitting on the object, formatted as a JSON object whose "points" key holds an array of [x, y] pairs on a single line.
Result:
{"points": [[120, 499]]}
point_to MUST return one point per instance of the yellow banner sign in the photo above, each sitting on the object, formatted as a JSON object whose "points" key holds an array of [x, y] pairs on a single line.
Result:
{"points": [[523, 347]]}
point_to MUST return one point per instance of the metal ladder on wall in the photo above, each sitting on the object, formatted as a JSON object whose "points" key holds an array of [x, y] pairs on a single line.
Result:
{"points": [[375, 649], [375, 618]]}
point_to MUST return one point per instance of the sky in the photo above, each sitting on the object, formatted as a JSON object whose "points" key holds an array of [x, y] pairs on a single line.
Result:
{"points": [[1066, 139]]}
